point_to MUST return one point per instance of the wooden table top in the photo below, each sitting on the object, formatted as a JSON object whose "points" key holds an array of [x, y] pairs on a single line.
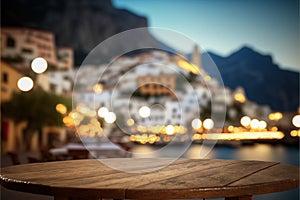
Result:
{"points": [[184, 178]]}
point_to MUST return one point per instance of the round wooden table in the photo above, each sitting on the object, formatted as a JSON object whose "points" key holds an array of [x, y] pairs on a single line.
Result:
{"points": [[184, 178]]}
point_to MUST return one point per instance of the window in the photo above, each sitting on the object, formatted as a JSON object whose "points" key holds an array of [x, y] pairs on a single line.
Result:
{"points": [[3, 89], [10, 42], [53, 87], [26, 50], [4, 77]]}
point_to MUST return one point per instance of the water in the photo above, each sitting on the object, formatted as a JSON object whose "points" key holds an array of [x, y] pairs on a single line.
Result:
{"points": [[263, 152]]}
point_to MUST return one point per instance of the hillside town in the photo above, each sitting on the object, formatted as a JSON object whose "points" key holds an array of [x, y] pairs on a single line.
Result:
{"points": [[154, 97]]}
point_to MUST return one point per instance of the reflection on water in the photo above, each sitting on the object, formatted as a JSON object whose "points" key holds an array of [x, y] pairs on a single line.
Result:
{"points": [[264, 152]]}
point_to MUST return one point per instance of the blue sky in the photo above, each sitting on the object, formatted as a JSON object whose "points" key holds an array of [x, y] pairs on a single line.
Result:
{"points": [[223, 26]]}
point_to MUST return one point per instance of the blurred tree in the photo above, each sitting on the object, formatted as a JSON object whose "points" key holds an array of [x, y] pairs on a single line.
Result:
{"points": [[37, 108]]}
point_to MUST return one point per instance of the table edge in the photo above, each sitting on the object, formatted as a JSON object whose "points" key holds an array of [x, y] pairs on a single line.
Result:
{"points": [[131, 193]]}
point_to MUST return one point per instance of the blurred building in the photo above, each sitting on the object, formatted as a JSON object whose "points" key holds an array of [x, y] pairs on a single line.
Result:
{"points": [[10, 132], [65, 57], [61, 82], [157, 85], [26, 44], [9, 79], [19, 46]]}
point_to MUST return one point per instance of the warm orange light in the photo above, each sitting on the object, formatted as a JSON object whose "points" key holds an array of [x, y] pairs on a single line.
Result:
{"points": [[68, 121], [295, 133], [197, 136], [241, 135], [275, 116], [230, 128], [207, 78], [188, 66], [240, 97], [130, 122], [274, 128], [208, 124], [62, 109], [98, 88]]}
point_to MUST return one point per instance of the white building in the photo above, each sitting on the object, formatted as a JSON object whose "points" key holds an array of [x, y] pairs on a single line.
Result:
{"points": [[61, 82]]}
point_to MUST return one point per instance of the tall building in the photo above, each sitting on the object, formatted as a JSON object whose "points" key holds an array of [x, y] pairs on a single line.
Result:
{"points": [[196, 58]]}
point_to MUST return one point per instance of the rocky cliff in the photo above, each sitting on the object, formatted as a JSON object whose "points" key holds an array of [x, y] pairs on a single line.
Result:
{"points": [[81, 24]]}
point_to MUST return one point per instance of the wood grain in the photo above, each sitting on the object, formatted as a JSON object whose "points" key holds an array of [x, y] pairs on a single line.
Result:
{"points": [[184, 178]]}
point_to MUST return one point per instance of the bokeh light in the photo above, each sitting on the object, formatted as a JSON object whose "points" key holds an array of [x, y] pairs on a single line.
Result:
{"points": [[144, 111], [296, 121], [130, 122], [208, 124], [39, 65], [196, 123], [254, 123], [102, 112], [25, 84], [170, 130], [110, 117], [98, 88], [245, 121], [62, 109], [262, 124]]}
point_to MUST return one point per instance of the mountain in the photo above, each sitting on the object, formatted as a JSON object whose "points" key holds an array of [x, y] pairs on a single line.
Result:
{"points": [[83, 24], [263, 80], [80, 24]]}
